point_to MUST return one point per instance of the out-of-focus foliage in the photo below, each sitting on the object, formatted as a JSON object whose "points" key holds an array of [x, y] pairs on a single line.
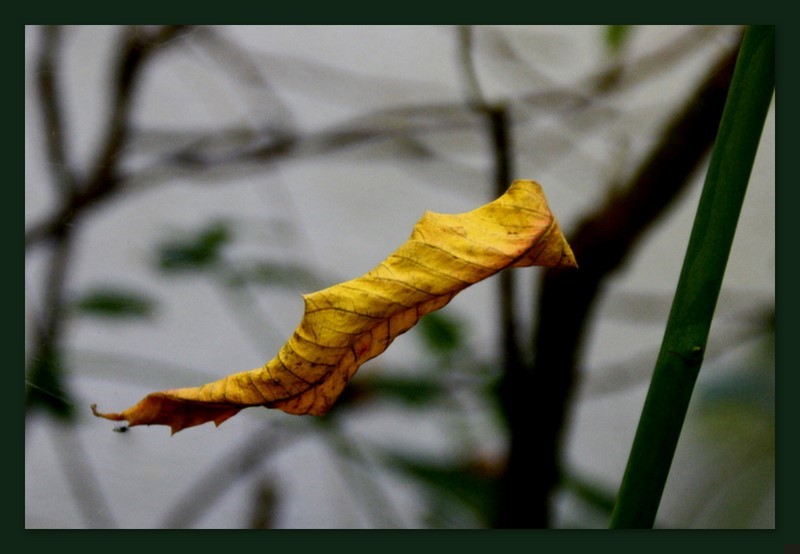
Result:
{"points": [[616, 36], [197, 252], [441, 333], [114, 302]]}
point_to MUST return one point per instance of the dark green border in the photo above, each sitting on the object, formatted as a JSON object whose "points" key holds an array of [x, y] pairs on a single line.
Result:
{"points": [[787, 531]]}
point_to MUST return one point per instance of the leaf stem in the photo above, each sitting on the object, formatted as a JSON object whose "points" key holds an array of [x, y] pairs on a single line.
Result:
{"points": [[687, 331]]}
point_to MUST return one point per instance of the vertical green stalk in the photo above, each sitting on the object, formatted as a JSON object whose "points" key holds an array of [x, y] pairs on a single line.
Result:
{"points": [[684, 342]]}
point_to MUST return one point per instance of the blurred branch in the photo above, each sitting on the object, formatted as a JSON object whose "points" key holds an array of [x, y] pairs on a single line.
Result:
{"points": [[137, 47], [82, 479], [232, 467], [240, 64], [468, 70], [616, 78], [637, 71], [44, 382], [50, 101], [199, 153], [498, 125], [363, 481], [538, 398], [511, 354]]}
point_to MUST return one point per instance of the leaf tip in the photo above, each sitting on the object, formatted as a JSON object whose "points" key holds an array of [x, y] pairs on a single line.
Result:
{"points": [[112, 417], [568, 258]]}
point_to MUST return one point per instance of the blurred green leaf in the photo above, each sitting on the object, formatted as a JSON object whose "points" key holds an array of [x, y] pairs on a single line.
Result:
{"points": [[114, 302], [197, 252], [615, 37], [273, 274], [414, 391], [441, 333]]}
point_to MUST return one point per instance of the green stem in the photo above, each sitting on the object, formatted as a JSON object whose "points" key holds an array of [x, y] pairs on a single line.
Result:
{"points": [[684, 342]]}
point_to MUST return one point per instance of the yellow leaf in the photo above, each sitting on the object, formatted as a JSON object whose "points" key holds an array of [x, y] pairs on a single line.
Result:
{"points": [[347, 324]]}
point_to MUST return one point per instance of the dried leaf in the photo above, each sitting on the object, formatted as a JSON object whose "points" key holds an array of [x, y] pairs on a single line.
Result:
{"points": [[347, 324]]}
